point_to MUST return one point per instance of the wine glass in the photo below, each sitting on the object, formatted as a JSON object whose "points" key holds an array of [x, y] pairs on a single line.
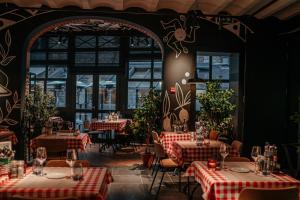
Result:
{"points": [[71, 158], [256, 151], [70, 126], [224, 152], [41, 156]]}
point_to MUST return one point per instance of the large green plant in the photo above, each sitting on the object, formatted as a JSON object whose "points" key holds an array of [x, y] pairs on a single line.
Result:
{"points": [[148, 116], [39, 106], [217, 108]]}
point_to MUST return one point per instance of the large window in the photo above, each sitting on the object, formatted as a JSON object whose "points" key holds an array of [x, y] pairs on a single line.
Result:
{"points": [[144, 69], [216, 66], [49, 66]]}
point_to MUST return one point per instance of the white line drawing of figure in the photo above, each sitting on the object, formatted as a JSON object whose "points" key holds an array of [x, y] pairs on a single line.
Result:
{"points": [[178, 34]]}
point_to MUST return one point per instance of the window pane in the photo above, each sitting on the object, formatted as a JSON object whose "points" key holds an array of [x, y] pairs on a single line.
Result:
{"points": [[108, 41], [58, 90], [157, 67], [103, 115], [84, 91], [157, 85], [85, 58], [203, 67], [40, 43], [85, 42], [57, 71], [140, 42], [38, 83], [58, 56], [200, 88], [37, 56], [38, 70], [135, 90], [139, 70], [107, 92], [220, 67], [80, 118], [58, 42], [108, 58]]}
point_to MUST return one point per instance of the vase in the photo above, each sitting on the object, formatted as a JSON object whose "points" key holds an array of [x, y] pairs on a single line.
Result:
{"points": [[213, 134]]}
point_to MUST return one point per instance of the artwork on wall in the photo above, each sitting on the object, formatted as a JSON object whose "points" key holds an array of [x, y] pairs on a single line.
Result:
{"points": [[182, 101], [178, 34], [5, 92]]}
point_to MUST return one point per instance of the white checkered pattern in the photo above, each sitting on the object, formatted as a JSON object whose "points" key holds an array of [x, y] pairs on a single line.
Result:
{"points": [[227, 185], [108, 125], [167, 138]]}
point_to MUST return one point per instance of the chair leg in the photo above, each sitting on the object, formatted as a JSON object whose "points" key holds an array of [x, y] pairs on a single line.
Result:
{"points": [[193, 191], [162, 178], [154, 179], [153, 168]]}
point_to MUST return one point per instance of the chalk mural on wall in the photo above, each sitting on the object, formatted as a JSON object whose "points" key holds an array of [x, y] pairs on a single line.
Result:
{"points": [[182, 101], [5, 92], [178, 34]]}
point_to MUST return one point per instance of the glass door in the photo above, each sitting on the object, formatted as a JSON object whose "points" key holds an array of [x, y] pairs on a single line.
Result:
{"points": [[95, 97]]}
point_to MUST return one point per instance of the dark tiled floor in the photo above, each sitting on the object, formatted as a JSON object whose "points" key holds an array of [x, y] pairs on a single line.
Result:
{"points": [[131, 180]]}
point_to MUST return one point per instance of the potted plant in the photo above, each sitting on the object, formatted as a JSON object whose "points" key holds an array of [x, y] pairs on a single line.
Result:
{"points": [[39, 107], [145, 119], [216, 110]]}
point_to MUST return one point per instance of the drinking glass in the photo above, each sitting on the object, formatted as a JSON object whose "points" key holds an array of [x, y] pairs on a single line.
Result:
{"points": [[41, 156], [256, 151], [70, 126], [224, 152], [71, 159]]}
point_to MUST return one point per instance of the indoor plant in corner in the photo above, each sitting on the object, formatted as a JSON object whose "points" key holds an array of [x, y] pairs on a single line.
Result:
{"points": [[216, 110], [147, 118]]}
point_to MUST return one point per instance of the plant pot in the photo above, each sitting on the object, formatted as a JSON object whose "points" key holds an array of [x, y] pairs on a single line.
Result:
{"points": [[147, 159], [213, 134]]}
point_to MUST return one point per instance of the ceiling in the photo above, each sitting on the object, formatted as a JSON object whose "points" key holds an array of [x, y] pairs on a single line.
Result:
{"points": [[282, 9]]}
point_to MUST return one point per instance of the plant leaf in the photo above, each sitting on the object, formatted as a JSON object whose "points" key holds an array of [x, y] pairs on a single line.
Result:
{"points": [[10, 121], [166, 104], [15, 98], [8, 38], [178, 94], [17, 105], [2, 51], [7, 60], [8, 106]]}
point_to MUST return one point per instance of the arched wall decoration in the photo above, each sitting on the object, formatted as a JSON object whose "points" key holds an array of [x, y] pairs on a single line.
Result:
{"points": [[231, 24], [35, 34], [16, 16], [178, 34]]}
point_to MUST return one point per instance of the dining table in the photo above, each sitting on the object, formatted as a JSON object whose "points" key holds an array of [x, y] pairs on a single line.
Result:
{"points": [[188, 151], [108, 125], [56, 183], [79, 141], [167, 138], [226, 184], [7, 135]]}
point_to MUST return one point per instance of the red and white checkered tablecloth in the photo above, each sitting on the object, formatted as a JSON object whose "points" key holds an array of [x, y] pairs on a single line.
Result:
{"points": [[7, 135], [167, 138], [227, 185], [73, 142], [188, 151], [93, 186], [108, 125]]}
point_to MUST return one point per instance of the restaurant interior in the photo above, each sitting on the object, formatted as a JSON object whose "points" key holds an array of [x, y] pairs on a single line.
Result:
{"points": [[153, 99]]}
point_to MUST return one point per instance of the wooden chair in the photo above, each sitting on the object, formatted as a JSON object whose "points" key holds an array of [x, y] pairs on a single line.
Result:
{"points": [[237, 159], [164, 165], [62, 163], [288, 193], [155, 136], [55, 151], [86, 126], [159, 153], [237, 145]]}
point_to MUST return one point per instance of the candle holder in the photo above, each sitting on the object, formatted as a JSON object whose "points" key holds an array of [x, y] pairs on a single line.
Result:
{"points": [[211, 164]]}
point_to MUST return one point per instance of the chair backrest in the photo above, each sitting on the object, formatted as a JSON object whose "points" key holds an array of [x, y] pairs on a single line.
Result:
{"points": [[159, 150], [62, 163], [52, 147], [288, 193], [155, 136], [237, 159], [237, 145]]}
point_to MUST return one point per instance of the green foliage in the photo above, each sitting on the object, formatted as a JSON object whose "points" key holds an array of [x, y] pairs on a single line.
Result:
{"points": [[39, 106], [147, 117], [217, 108]]}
